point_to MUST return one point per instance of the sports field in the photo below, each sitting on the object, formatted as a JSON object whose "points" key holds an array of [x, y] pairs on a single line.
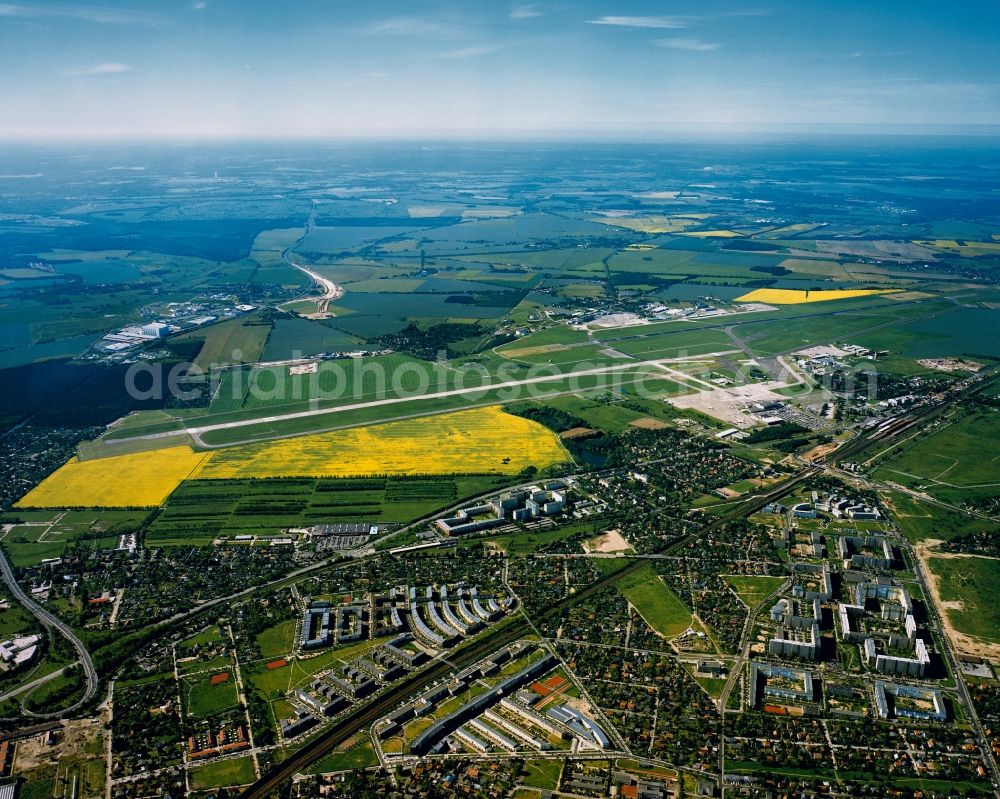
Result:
{"points": [[138, 480], [482, 440], [797, 297]]}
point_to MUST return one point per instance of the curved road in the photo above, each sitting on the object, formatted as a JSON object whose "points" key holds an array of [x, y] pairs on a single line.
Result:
{"points": [[51, 622], [331, 291]]}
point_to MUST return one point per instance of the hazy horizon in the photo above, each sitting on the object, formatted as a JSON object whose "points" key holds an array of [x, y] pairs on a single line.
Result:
{"points": [[219, 69]]}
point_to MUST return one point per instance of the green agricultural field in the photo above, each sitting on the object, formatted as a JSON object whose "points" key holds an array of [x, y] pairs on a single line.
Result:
{"points": [[345, 381], [752, 589], [612, 417], [233, 341], [585, 356], [199, 511], [298, 338], [47, 534], [655, 602], [674, 344], [801, 327], [223, 774], [559, 334], [569, 261], [203, 699], [971, 581], [972, 331]]}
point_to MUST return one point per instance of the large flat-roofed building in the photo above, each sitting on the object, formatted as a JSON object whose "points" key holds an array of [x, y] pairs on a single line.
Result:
{"points": [[156, 330], [420, 627], [317, 626], [433, 735], [798, 634], [297, 724], [769, 680], [18, 650], [465, 521], [909, 701], [582, 725], [866, 552], [896, 665], [517, 506]]}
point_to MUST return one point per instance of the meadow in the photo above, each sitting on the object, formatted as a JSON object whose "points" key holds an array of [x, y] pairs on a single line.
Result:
{"points": [[203, 698], [951, 461], [971, 582], [752, 589], [655, 602], [223, 774], [233, 341]]}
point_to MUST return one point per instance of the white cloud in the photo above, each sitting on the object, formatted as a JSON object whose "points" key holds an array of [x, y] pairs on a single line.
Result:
{"points": [[106, 68], [473, 51], [414, 26], [640, 22], [696, 45], [199, 6], [98, 14], [525, 12]]}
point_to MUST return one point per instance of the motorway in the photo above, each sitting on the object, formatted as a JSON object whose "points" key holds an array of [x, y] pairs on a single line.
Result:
{"points": [[331, 291], [51, 622]]}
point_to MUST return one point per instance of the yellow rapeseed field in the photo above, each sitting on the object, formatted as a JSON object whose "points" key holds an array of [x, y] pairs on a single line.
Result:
{"points": [[479, 440], [139, 480], [795, 296]]}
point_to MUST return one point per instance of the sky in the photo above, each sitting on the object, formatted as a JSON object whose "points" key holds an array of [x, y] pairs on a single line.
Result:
{"points": [[621, 69]]}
